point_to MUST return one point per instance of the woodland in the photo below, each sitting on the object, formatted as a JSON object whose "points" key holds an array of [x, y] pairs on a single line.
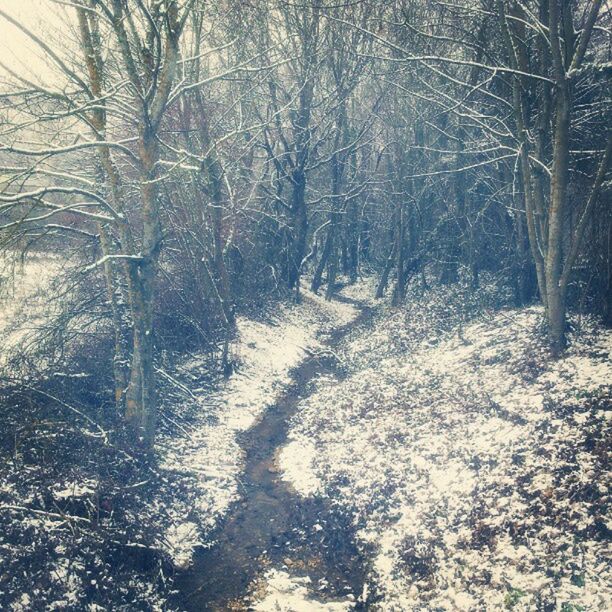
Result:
{"points": [[305, 305]]}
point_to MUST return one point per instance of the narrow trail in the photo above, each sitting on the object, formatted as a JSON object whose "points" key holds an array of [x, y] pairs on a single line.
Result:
{"points": [[271, 526]]}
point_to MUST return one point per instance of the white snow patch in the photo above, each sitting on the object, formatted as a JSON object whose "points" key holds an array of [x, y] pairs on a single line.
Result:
{"points": [[363, 290], [22, 604], [297, 461], [286, 593], [74, 489], [180, 540]]}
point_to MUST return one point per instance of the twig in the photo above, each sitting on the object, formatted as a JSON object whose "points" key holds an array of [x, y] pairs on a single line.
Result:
{"points": [[62, 517]]}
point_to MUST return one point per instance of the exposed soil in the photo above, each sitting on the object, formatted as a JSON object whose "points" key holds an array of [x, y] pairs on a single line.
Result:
{"points": [[271, 525]]}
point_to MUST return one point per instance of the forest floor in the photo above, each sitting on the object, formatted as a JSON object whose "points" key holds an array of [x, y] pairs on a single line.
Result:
{"points": [[443, 461], [431, 456], [473, 468]]}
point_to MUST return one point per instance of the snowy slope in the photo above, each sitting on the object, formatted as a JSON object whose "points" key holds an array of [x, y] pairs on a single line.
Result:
{"points": [[473, 465]]}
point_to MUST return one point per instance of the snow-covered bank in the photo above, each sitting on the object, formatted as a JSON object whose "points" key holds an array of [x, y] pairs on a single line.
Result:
{"points": [[209, 456], [26, 288], [473, 465]]}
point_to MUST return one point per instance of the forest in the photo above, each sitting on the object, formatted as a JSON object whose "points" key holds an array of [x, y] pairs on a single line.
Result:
{"points": [[305, 304]]}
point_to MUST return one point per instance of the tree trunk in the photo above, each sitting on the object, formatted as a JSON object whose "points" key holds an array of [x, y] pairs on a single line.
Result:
{"points": [[352, 226], [114, 274], [317, 279], [556, 292], [298, 229], [398, 290], [384, 277], [214, 178], [140, 412], [120, 329]]}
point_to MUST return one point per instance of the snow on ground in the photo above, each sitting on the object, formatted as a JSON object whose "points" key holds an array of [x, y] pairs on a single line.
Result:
{"points": [[266, 353], [300, 470], [473, 465], [362, 291], [286, 593], [24, 299]]}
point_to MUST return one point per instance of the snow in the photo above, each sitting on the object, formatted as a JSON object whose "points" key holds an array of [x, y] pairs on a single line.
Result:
{"points": [[24, 297], [298, 458], [342, 313], [74, 489], [266, 352], [267, 355], [286, 593], [179, 541], [362, 291], [463, 455], [66, 574], [23, 603]]}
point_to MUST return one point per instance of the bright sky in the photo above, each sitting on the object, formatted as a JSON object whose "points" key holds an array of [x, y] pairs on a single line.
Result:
{"points": [[17, 51]]}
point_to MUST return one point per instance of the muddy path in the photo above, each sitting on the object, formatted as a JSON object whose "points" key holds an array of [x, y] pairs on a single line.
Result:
{"points": [[271, 526]]}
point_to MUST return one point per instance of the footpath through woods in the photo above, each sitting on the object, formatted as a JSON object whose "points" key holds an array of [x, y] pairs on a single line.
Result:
{"points": [[271, 525]]}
